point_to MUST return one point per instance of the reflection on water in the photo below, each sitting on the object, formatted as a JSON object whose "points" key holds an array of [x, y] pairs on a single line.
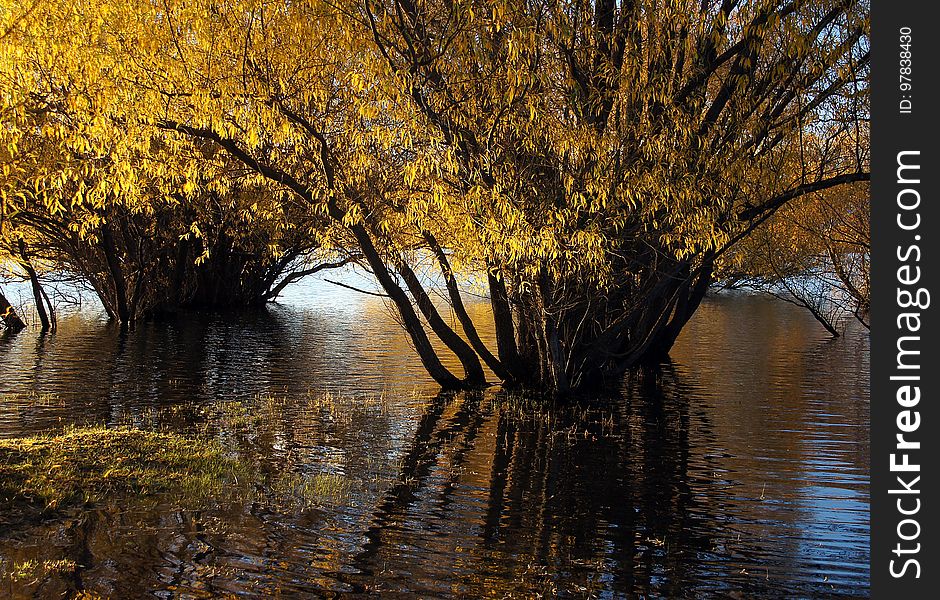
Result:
{"points": [[738, 470]]}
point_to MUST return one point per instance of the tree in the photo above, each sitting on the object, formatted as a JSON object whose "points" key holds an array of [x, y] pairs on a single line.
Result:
{"points": [[814, 253], [45, 311], [601, 157], [148, 225], [282, 90], [593, 160]]}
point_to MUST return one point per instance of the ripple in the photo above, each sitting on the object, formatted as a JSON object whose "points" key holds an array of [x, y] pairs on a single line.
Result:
{"points": [[740, 470]]}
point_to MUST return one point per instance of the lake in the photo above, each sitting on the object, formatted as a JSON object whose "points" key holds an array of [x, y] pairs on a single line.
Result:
{"points": [[740, 469]]}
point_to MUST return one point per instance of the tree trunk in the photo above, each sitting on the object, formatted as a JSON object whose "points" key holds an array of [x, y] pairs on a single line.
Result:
{"points": [[505, 329], [473, 370], [691, 296], [117, 275], [460, 311], [53, 321], [179, 272], [412, 323], [36, 287]]}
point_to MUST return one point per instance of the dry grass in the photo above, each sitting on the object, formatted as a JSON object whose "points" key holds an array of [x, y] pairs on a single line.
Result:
{"points": [[303, 491], [37, 569], [88, 464]]}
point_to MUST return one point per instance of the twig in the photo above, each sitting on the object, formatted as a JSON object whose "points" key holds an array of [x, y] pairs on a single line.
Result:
{"points": [[355, 289]]}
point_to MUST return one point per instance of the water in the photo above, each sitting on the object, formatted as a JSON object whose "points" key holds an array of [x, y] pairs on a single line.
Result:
{"points": [[739, 470]]}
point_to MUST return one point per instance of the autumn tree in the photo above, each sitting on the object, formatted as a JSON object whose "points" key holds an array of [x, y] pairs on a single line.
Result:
{"points": [[601, 157], [814, 253], [592, 160], [148, 226], [286, 91]]}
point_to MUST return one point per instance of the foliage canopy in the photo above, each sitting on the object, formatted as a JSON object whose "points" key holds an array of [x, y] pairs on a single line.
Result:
{"points": [[595, 161]]}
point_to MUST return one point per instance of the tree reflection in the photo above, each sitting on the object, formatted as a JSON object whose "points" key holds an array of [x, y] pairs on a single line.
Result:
{"points": [[494, 498], [740, 469]]}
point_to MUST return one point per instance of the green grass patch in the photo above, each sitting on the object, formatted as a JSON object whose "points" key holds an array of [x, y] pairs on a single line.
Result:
{"points": [[90, 464], [304, 491]]}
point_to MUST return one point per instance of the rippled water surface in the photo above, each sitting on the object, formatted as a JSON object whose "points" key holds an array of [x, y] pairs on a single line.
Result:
{"points": [[739, 470]]}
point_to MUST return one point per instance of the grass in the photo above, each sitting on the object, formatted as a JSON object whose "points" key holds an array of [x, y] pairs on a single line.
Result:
{"points": [[36, 569], [304, 491], [31, 399], [256, 414], [90, 464], [239, 415]]}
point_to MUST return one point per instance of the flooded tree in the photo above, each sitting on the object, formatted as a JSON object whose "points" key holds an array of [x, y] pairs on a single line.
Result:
{"points": [[142, 237], [592, 163], [45, 310], [814, 253], [601, 158]]}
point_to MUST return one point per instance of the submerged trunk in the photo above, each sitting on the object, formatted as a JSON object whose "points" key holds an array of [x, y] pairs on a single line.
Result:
{"points": [[473, 370], [506, 346], [47, 319], [460, 311], [419, 338], [135, 279], [559, 337], [118, 300], [600, 340], [563, 337]]}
